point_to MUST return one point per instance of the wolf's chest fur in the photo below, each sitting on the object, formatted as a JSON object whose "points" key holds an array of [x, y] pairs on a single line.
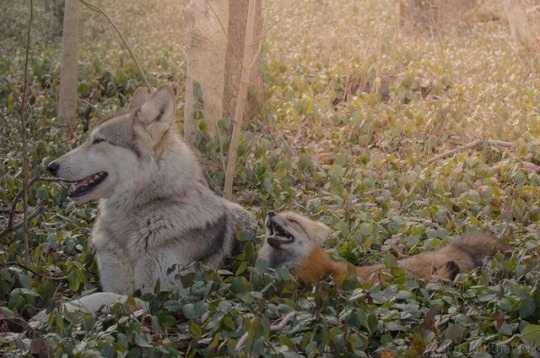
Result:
{"points": [[158, 240]]}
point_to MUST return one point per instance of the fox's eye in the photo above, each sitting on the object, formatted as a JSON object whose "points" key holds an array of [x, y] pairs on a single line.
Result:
{"points": [[98, 140]]}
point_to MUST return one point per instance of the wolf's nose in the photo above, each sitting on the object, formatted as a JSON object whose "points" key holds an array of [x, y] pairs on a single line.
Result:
{"points": [[53, 168], [271, 214]]}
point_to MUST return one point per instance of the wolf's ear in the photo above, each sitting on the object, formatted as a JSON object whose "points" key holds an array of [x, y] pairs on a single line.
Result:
{"points": [[159, 107], [322, 231], [139, 97]]}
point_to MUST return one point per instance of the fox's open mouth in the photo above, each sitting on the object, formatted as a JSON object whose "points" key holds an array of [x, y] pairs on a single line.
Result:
{"points": [[86, 185], [278, 235]]}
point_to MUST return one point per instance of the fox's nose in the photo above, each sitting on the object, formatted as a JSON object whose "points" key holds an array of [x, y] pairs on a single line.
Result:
{"points": [[53, 168], [271, 214]]}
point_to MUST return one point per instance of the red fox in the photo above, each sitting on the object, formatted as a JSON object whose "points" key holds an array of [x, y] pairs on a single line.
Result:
{"points": [[294, 241]]}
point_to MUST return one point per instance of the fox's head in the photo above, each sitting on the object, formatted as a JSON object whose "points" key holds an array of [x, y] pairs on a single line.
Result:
{"points": [[290, 239], [121, 150]]}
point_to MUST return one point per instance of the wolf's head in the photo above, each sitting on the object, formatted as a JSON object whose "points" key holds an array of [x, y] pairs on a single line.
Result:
{"points": [[290, 238], [123, 149]]}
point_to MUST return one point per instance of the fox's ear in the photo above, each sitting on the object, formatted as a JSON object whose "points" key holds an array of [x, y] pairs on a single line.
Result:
{"points": [[159, 108], [322, 231], [139, 97]]}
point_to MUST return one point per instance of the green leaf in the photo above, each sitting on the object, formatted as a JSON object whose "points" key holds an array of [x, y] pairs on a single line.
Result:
{"points": [[74, 281], [173, 306], [142, 340], [241, 268], [200, 308], [372, 323], [16, 302], [531, 334], [527, 307], [389, 260], [195, 329], [189, 311]]}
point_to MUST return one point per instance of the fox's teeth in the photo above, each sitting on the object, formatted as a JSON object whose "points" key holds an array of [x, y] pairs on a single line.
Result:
{"points": [[278, 230]]}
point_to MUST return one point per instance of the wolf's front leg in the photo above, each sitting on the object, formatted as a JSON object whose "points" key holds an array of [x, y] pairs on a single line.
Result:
{"points": [[164, 267], [115, 272], [144, 273]]}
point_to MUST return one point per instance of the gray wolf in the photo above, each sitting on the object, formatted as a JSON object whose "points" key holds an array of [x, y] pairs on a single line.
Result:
{"points": [[156, 212], [294, 241]]}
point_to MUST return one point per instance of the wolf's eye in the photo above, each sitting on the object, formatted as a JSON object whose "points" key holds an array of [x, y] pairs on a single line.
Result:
{"points": [[98, 140]]}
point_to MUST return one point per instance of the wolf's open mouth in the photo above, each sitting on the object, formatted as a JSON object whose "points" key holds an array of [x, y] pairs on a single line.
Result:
{"points": [[278, 235], [86, 185]]}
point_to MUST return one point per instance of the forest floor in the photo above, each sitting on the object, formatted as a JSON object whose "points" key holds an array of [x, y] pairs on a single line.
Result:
{"points": [[398, 138]]}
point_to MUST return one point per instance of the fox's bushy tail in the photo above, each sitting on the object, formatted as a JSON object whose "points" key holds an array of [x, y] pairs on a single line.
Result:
{"points": [[462, 255]]}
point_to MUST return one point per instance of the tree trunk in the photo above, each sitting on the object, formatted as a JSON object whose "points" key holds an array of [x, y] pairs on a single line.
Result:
{"points": [[215, 49], [238, 18], [242, 96], [67, 106], [55, 10], [206, 21], [519, 25]]}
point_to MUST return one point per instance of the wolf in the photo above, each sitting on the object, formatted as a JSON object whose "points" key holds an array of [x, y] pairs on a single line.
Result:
{"points": [[156, 213], [294, 241]]}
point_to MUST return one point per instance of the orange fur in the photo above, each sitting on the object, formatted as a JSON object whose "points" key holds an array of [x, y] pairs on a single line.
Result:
{"points": [[318, 265], [461, 256], [295, 241]]}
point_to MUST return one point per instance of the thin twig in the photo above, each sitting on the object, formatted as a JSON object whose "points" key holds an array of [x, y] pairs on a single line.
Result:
{"points": [[61, 278], [7, 211], [476, 143], [20, 194], [23, 110], [21, 322], [12, 211], [282, 322], [102, 12], [273, 328], [267, 30], [24, 222], [53, 180]]}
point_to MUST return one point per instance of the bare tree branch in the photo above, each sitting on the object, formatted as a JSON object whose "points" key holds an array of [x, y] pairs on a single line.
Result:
{"points": [[476, 143], [20, 194], [23, 113], [102, 12], [267, 30], [24, 222], [61, 278], [45, 351]]}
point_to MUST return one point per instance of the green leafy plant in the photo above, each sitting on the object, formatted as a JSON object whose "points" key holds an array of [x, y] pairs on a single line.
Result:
{"points": [[367, 126]]}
